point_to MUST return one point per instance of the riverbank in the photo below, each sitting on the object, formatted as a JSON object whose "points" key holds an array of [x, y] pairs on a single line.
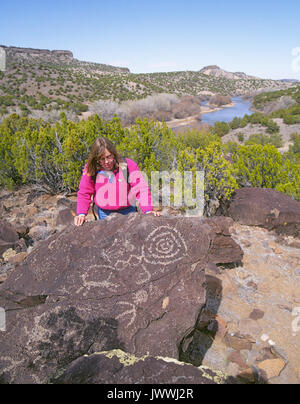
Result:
{"points": [[195, 121], [208, 109]]}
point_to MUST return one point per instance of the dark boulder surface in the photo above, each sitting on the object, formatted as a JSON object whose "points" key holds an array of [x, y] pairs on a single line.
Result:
{"points": [[8, 236], [135, 283], [117, 367]]}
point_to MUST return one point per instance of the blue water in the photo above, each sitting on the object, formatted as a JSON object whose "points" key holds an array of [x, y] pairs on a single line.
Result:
{"points": [[241, 108]]}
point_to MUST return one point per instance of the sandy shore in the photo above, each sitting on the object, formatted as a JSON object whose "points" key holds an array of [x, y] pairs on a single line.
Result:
{"points": [[206, 110]]}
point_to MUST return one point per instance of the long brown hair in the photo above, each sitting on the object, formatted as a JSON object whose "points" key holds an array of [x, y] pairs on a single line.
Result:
{"points": [[97, 152]]}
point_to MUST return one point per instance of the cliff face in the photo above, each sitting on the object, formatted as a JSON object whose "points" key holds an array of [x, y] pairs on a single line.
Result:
{"points": [[16, 54], [13, 52]]}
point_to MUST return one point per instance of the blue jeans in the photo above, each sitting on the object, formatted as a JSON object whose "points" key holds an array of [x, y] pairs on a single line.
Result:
{"points": [[103, 213]]}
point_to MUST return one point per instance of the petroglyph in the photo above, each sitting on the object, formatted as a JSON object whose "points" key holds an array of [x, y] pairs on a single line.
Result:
{"points": [[140, 297], [131, 313], [133, 261], [104, 284], [122, 284], [144, 276], [164, 246]]}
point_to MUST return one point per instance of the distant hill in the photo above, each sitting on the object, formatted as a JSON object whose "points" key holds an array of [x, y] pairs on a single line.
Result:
{"points": [[40, 83], [216, 71], [289, 81]]}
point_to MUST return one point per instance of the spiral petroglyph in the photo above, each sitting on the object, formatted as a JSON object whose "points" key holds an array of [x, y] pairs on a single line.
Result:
{"points": [[164, 246]]}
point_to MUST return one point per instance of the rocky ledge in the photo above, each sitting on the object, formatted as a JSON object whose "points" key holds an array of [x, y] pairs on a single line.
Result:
{"points": [[222, 292]]}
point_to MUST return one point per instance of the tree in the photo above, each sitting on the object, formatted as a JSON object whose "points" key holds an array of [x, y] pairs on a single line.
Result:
{"points": [[221, 129]]}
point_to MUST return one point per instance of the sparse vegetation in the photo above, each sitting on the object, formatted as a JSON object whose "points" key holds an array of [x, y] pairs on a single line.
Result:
{"points": [[47, 148], [52, 157], [44, 84]]}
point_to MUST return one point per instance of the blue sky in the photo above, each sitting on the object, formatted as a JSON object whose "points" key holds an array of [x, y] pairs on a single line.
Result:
{"points": [[256, 37]]}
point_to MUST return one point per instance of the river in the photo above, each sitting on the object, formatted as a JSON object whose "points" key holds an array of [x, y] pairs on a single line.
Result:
{"points": [[227, 114]]}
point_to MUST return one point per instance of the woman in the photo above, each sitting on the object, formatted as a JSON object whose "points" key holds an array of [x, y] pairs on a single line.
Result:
{"points": [[115, 184]]}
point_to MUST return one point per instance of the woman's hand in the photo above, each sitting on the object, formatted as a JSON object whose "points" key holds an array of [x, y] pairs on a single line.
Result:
{"points": [[79, 220]]}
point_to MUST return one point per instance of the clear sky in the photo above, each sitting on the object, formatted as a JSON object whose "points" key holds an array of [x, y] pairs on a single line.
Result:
{"points": [[258, 37]]}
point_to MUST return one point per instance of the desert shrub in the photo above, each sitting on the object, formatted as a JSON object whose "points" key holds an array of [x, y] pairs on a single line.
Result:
{"points": [[52, 156], [235, 123], [219, 174], [289, 115], [295, 148], [220, 100], [264, 167], [221, 129], [241, 137], [262, 139], [129, 111], [7, 100], [79, 108], [195, 139], [151, 144]]}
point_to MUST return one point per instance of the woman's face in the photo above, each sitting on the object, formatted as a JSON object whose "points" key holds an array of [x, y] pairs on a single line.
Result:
{"points": [[107, 161]]}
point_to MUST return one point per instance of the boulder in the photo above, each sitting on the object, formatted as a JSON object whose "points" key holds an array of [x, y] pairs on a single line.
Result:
{"points": [[223, 250], [117, 367], [266, 208], [132, 282], [65, 217], [8, 236]]}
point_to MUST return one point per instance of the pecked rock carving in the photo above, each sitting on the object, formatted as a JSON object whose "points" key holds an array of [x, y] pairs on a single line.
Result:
{"points": [[133, 283]]}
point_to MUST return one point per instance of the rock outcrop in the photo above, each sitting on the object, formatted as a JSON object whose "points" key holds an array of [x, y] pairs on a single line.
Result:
{"points": [[25, 53], [216, 71], [135, 283], [266, 208], [117, 367], [8, 236], [248, 326]]}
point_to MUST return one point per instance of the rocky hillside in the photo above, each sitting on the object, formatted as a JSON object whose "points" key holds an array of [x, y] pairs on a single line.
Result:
{"points": [[216, 71], [42, 82]]}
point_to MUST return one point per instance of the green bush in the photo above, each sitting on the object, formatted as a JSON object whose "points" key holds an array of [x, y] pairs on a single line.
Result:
{"points": [[275, 139], [264, 167], [219, 174], [221, 129]]}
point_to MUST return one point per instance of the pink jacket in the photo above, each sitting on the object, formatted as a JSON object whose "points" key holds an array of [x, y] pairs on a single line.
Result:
{"points": [[113, 193]]}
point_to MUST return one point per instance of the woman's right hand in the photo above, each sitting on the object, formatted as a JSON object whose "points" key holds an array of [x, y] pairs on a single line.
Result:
{"points": [[79, 220]]}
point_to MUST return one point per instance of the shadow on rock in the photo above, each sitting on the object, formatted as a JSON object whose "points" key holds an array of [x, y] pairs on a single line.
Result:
{"points": [[195, 345]]}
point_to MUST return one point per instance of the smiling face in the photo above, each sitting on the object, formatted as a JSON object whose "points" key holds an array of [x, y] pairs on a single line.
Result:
{"points": [[107, 161]]}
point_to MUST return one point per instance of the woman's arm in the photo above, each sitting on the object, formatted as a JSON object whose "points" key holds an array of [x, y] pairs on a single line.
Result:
{"points": [[84, 196], [139, 187]]}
